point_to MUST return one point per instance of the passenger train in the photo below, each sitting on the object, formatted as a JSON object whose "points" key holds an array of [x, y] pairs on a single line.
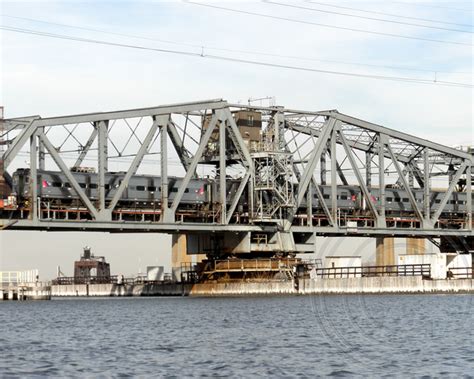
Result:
{"points": [[145, 191]]}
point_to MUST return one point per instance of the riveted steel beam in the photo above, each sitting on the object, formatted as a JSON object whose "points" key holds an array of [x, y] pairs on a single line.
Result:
{"points": [[406, 185], [461, 170], [195, 161], [308, 172], [65, 170], [358, 174]]}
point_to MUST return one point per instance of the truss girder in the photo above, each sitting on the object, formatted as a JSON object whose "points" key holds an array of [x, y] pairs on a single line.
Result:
{"points": [[312, 137]]}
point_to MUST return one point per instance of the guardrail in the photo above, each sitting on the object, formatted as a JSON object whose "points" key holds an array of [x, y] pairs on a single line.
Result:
{"points": [[371, 271], [252, 264], [113, 279], [460, 273]]}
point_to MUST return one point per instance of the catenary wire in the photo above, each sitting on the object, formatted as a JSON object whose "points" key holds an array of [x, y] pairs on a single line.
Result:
{"points": [[365, 17], [298, 21], [252, 52], [411, 3], [391, 14], [237, 60]]}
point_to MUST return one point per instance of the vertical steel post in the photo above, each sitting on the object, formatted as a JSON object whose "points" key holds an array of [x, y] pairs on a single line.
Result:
{"points": [[368, 169], [41, 154], [34, 178], [102, 147], [222, 170], [469, 195], [381, 153], [164, 169], [323, 167], [334, 177], [426, 184]]}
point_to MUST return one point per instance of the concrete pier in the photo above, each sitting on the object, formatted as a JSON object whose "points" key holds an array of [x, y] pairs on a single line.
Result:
{"points": [[319, 286], [416, 246], [26, 291], [385, 251]]}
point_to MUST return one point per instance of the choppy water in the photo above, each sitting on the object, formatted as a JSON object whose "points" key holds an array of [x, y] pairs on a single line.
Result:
{"points": [[367, 336]]}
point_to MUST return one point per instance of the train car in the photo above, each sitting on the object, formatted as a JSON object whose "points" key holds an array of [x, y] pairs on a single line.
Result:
{"points": [[145, 191], [142, 189]]}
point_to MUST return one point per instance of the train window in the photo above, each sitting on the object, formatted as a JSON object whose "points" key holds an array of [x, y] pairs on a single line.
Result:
{"points": [[140, 188], [325, 196], [107, 186], [67, 185], [151, 188], [315, 196], [389, 199], [56, 184], [186, 190], [397, 199], [437, 201], [343, 197], [82, 185], [452, 201], [174, 189], [159, 189], [405, 200], [93, 185]]}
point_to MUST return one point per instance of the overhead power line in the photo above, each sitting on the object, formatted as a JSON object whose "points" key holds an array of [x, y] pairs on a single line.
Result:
{"points": [[294, 20], [431, 6], [229, 59], [365, 17], [391, 14], [202, 48]]}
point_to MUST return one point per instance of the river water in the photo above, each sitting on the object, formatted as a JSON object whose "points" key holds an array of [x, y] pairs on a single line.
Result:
{"points": [[305, 336]]}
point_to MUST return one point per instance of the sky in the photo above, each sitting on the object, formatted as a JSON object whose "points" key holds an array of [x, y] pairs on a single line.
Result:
{"points": [[55, 76]]}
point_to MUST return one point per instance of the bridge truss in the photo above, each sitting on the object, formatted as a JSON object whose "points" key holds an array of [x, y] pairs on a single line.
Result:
{"points": [[300, 158]]}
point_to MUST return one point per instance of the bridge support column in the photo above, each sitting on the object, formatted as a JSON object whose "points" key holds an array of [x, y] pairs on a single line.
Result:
{"points": [[179, 255], [416, 246], [385, 251]]}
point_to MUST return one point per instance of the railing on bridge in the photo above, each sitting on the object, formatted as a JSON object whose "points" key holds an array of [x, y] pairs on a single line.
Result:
{"points": [[237, 265], [423, 270], [113, 279]]}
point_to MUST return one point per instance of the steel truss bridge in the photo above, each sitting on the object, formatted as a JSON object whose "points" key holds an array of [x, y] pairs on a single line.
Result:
{"points": [[298, 158]]}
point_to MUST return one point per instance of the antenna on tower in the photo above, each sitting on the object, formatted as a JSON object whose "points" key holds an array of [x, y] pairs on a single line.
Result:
{"points": [[271, 100]]}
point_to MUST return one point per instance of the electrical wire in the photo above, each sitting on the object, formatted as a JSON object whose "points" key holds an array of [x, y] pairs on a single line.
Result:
{"points": [[251, 52], [390, 14], [431, 6], [365, 17], [294, 20], [236, 60]]}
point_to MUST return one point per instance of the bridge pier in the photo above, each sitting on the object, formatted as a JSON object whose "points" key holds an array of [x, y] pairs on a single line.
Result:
{"points": [[179, 255], [416, 246], [385, 251]]}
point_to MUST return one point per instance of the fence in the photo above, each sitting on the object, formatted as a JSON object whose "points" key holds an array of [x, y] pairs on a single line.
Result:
{"points": [[367, 271]]}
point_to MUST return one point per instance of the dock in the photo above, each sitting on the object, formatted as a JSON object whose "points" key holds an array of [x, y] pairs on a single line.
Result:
{"points": [[26, 291]]}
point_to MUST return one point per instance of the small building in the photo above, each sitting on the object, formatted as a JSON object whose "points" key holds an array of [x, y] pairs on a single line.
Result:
{"points": [[91, 267], [249, 124], [343, 266], [155, 273]]}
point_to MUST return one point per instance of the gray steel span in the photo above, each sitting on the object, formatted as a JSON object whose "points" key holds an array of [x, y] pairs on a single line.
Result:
{"points": [[295, 148]]}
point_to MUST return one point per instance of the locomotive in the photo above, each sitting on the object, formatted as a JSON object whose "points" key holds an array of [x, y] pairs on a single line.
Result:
{"points": [[145, 190]]}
